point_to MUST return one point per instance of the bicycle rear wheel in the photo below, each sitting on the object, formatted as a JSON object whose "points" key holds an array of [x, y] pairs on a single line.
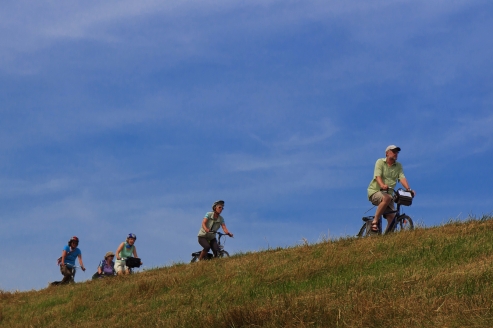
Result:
{"points": [[366, 231], [363, 232], [403, 223]]}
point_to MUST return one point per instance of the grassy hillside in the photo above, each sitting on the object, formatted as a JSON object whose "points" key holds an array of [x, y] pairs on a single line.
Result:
{"points": [[430, 277]]}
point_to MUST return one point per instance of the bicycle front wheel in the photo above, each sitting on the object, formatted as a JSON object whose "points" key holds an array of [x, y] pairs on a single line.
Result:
{"points": [[222, 254], [403, 223]]}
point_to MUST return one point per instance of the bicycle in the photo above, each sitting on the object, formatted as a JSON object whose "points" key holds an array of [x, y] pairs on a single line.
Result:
{"points": [[220, 253], [400, 222]]}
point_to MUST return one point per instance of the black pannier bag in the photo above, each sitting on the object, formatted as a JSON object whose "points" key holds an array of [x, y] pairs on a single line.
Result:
{"points": [[132, 262], [403, 197]]}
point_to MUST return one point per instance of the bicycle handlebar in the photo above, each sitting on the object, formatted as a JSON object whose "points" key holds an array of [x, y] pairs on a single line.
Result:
{"points": [[219, 233], [395, 191], [74, 266]]}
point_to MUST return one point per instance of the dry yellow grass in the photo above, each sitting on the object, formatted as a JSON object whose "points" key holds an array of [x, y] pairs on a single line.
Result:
{"points": [[429, 277]]}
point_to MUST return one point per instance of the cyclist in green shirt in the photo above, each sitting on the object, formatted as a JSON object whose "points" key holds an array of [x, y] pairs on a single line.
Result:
{"points": [[125, 250], [386, 174], [212, 221]]}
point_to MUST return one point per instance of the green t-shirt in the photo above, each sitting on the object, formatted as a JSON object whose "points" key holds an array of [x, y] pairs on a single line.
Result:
{"points": [[389, 174], [126, 252], [211, 224]]}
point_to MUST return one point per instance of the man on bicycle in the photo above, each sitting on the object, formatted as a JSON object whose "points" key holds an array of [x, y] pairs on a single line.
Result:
{"points": [[386, 174], [212, 221]]}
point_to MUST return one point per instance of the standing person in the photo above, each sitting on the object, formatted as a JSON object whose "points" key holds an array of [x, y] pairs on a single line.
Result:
{"points": [[211, 222], [125, 250], [386, 174], [67, 263], [106, 267]]}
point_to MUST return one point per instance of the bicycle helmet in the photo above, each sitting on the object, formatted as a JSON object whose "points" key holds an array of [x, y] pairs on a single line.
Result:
{"points": [[217, 202], [132, 235], [74, 238]]}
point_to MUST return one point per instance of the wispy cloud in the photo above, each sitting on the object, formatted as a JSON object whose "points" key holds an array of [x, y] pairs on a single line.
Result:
{"points": [[129, 116], [474, 133], [325, 127]]}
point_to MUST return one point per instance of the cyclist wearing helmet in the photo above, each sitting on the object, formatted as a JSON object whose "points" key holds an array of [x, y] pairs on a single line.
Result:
{"points": [[67, 264], [211, 222], [125, 250]]}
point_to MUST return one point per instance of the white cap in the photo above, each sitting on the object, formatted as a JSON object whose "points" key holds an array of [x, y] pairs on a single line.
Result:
{"points": [[392, 147]]}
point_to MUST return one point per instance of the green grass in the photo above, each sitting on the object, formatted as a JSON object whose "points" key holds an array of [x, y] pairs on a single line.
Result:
{"points": [[429, 277]]}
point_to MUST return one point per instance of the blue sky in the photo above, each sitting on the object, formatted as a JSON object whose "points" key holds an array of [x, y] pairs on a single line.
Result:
{"points": [[128, 116]]}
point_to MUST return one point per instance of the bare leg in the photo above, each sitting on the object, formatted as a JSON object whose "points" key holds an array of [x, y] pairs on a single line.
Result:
{"points": [[202, 254], [389, 218], [381, 209]]}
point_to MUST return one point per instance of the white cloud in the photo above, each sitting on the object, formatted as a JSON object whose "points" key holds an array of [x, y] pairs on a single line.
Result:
{"points": [[23, 188], [292, 125], [462, 136], [30, 25]]}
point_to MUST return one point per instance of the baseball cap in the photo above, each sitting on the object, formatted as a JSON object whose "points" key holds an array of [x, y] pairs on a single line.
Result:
{"points": [[392, 147]]}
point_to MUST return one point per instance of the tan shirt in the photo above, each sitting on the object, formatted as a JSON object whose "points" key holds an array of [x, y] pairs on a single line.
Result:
{"points": [[212, 224]]}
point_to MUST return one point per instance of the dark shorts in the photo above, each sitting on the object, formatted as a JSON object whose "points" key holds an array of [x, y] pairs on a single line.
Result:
{"points": [[207, 245]]}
